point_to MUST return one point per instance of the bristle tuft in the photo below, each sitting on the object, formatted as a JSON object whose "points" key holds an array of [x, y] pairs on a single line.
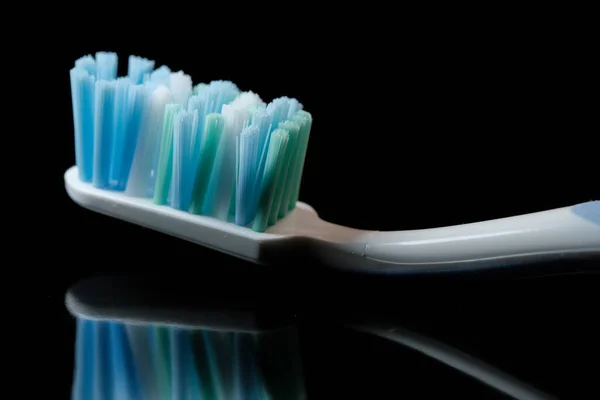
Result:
{"points": [[185, 137], [106, 65], [83, 83], [142, 175], [181, 87], [274, 162], [137, 67], [115, 360], [207, 149], [104, 109]]}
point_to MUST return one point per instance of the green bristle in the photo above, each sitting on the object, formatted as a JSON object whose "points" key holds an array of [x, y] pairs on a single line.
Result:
{"points": [[273, 166], [231, 213], [283, 181], [161, 350], [210, 386], [213, 130], [304, 118], [165, 158], [302, 121]]}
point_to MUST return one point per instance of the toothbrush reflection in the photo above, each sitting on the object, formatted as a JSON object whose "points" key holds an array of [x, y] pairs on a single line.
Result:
{"points": [[135, 340], [236, 336], [465, 363], [505, 335]]}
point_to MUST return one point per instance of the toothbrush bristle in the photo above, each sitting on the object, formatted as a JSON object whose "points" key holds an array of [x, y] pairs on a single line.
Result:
{"points": [[104, 125], [185, 135], [247, 150], [213, 131], [282, 190], [119, 132], [142, 174], [115, 360], [208, 149], [137, 67], [160, 76], [181, 87], [165, 157], [83, 83], [275, 158], [87, 63], [106, 65]]}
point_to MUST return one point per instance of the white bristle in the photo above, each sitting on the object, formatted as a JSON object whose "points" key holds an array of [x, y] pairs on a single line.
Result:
{"points": [[237, 115], [181, 87], [142, 173]]}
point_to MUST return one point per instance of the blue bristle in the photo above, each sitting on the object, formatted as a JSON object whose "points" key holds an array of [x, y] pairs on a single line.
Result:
{"points": [[121, 119], [117, 361], [247, 383], [141, 350], [278, 109], [199, 104], [106, 65], [210, 202], [216, 94], [263, 120], [185, 140], [160, 76], [87, 63], [103, 384], [221, 190], [118, 125], [210, 100], [220, 93], [137, 67], [257, 390], [142, 175], [84, 361], [124, 147], [104, 116], [247, 158], [220, 351], [82, 95], [184, 384], [124, 376]]}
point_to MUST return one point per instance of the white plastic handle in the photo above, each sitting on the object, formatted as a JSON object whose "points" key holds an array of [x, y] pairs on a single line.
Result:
{"points": [[546, 234], [569, 231]]}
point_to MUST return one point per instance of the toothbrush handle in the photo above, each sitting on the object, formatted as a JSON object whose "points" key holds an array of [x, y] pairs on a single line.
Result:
{"points": [[546, 235]]}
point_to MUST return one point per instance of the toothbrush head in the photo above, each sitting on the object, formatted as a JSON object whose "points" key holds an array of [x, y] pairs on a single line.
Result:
{"points": [[208, 149]]}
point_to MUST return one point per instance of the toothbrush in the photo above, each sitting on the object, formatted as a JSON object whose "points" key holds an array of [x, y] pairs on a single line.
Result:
{"points": [[219, 167], [143, 340]]}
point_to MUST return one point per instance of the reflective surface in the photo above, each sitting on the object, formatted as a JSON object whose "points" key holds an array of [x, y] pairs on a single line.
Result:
{"points": [[493, 336], [153, 362]]}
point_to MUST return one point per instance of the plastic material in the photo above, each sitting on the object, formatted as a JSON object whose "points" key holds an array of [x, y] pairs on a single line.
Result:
{"points": [[557, 233], [589, 211]]}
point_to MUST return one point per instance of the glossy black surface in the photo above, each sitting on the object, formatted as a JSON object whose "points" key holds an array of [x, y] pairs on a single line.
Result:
{"points": [[537, 330]]}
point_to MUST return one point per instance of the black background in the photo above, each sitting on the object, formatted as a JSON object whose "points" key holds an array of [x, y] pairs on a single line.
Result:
{"points": [[414, 127]]}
